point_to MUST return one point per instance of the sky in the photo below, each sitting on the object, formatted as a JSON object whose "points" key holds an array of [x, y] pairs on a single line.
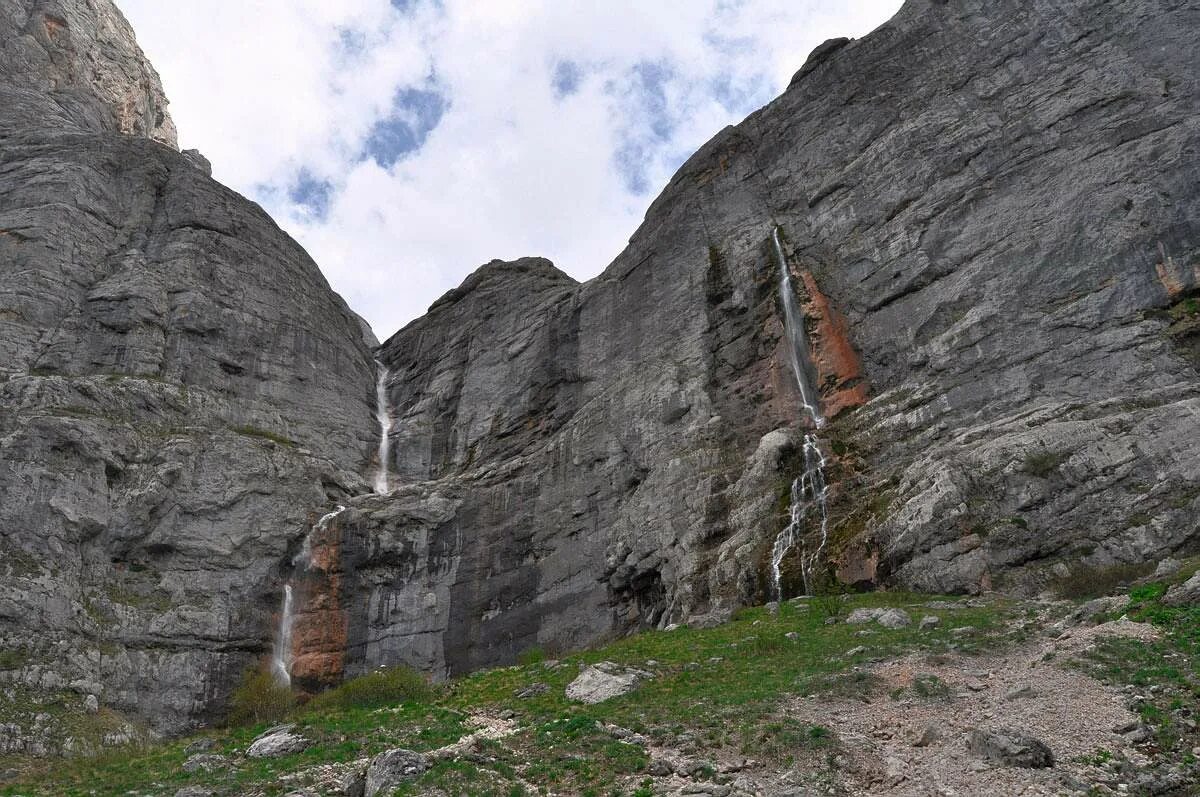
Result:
{"points": [[404, 143]]}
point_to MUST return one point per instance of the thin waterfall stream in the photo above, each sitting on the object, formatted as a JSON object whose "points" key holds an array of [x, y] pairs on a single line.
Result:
{"points": [[281, 655], [809, 490], [383, 414]]}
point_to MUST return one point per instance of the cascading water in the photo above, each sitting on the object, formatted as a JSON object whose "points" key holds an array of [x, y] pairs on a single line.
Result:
{"points": [[809, 489], [384, 415], [281, 657]]}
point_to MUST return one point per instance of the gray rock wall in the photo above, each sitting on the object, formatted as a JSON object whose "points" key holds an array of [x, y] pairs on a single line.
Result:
{"points": [[993, 209], [180, 391]]}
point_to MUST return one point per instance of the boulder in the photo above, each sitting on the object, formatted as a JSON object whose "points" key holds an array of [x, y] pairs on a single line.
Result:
{"points": [[595, 684], [389, 770], [894, 618], [275, 742], [860, 616], [1185, 594], [1010, 748]]}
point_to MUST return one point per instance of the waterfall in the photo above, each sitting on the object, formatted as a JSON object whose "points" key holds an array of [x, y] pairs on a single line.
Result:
{"points": [[797, 339], [281, 656], [809, 489], [384, 414]]}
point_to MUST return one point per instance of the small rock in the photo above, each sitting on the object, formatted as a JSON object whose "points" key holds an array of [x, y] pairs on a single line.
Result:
{"points": [[1011, 748], [659, 768], [199, 746], [854, 651], [711, 619], [1061, 570], [792, 635], [928, 736], [91, 704], [194, 791], [1167, 567], [773, 608], [388, 770], [533, 690], [830, 621], [205, 762], [277, 741], [1023, 691], [1139, 734], [929, 622], [894, 618], [860, 616]]}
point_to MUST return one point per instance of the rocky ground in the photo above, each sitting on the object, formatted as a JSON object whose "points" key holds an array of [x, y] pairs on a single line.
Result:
{"points": [[880, 694]]}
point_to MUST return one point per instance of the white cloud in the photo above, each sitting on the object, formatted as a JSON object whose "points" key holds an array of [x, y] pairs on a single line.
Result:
{"points": [[273, 91]]}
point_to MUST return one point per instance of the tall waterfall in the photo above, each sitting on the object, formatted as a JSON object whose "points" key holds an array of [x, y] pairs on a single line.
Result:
{"points": [[384, 415], [281, 656], [809, 490]]}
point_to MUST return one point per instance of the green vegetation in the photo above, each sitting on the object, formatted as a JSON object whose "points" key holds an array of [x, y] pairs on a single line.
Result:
{"points": [[1042, 463], [375, 690], [254, 431], [1084, 583], [720, 689], [259, 698]]}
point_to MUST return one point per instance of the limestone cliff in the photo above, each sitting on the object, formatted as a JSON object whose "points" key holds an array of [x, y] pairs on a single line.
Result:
{"points": [[179, 389], [989, 210]]}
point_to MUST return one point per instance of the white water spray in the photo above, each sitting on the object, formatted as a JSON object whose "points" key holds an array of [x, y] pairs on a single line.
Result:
{"points": [[384, 415], [281, 656], [809, 489]]}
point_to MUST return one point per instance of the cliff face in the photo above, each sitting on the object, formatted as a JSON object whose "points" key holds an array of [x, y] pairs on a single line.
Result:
{"points": [[991, 208], [179, 388], [989, 212]]}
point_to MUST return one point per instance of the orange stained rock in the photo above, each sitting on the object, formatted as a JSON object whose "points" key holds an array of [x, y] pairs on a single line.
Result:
{"points": [[839, 368]]}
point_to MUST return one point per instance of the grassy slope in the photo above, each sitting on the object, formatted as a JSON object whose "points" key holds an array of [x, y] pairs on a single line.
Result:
{"points": [[716, 692]]}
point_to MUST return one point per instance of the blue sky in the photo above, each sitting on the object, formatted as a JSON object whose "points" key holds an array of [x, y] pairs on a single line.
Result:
{"points": [[405, 142]]}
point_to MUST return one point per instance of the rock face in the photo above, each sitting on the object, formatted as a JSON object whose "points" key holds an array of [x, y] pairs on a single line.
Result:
{"points": [[989, 212], [180, 391]]}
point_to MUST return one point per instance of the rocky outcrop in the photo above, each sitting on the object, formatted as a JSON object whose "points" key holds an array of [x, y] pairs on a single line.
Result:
{"points": [[180, 391]]}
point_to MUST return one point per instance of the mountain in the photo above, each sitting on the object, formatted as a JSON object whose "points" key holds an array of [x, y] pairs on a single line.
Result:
{"points": [[983, 215]]}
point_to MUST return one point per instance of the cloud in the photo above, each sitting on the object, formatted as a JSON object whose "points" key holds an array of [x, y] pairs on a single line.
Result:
{"points": [[404, 142]]}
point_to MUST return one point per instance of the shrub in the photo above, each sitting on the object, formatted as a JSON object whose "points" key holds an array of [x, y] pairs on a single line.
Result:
{"points": [[534, 655], [387, 687], [1042, 463], [1093, 582], [259, 698]]}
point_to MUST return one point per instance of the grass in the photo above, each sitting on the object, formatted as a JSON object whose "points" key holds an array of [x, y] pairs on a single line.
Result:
{"points": [[720, 689], [254, 431]]}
